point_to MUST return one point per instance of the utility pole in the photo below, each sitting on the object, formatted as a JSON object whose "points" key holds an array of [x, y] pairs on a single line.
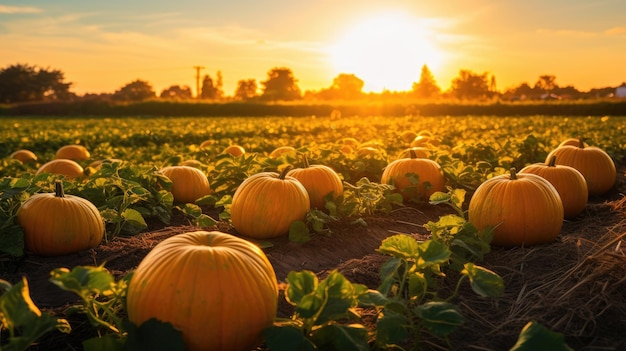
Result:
{"points": [[198, 68]]}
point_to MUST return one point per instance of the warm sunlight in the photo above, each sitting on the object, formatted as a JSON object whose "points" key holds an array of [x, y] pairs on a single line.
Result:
{"points": [[386, 51]]}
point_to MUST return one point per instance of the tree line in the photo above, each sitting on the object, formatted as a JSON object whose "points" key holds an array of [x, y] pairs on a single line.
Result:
{"points": [[25, 83]]}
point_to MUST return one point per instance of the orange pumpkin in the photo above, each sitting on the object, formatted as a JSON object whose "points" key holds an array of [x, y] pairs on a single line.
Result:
{"points": [[568, 181], [234, 150], [73, 152], [24, 156], [265, 204], [188, 183], [281, 150], [594, 163], [219, 290], [430, 177], [524, 209], [57, 224], [408, 136], [319, 181], [68, 168]]}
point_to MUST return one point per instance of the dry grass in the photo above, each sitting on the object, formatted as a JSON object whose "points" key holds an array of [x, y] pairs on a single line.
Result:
{"points": [[575, 286]]}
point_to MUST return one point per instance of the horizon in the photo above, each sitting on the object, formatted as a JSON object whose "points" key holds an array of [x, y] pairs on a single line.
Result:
{"points": [[101, 48]]}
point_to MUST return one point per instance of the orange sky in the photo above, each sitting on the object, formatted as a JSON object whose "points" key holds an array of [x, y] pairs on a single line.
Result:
{"points": [[101, 46]]}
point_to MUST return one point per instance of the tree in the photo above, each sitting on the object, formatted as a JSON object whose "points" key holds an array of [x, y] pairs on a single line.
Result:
{"points": [[469, 85], [546, 83], [427, 86], [345, 86], [137, 90], [280, 85], [246, 89], [177, 92], [24, 83], [211, 90]]}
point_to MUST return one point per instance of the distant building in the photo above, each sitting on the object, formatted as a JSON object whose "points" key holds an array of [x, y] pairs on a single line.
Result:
{"points": [[620, 92]]}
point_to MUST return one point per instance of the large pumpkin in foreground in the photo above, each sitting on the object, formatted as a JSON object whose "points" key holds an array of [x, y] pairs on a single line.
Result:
{"points": [[57, 224], [219, 290], [319, 181], [594, 163], [265, 204], [429, 174], [568, 181], [188, 183], [524, 209]]}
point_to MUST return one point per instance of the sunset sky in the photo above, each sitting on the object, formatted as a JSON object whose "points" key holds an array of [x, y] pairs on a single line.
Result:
{"points": [[101, 46]]}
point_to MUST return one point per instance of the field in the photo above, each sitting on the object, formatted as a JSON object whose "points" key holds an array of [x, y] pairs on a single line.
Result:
{"points": [[573, 286]]}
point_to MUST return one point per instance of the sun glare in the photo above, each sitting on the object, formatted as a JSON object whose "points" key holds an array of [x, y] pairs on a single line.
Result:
{"points": [[386, 51]]}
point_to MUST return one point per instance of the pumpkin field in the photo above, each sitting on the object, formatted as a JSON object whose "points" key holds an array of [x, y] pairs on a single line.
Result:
{"points": [[313, 233]]}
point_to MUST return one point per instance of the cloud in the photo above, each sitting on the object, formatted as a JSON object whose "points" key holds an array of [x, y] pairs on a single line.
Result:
{"points": [[615, 31], [19, 9]]}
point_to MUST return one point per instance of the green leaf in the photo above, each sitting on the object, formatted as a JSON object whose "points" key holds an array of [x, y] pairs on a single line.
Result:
{"points": [[134, 217], [153, 335], [191, 210], [399, 245], [536, 337], [484, 282], [299, 232], [432, 252], [287, 338], [204, 221], [392, 327], [105, 343], [440, 318], [83, 280], [388, 274], [351, 337], [300, 284], [18, 312], [339, 294]]}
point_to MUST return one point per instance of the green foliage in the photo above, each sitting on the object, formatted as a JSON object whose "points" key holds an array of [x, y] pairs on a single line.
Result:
{"points": [[22, 320], [325, 316], [536, 337]]}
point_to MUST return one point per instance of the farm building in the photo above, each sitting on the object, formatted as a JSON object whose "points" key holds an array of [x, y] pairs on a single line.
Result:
{"points": [[620, 92]]}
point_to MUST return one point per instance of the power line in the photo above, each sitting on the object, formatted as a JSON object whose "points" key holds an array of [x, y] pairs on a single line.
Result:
{"points": [[198, 68]]}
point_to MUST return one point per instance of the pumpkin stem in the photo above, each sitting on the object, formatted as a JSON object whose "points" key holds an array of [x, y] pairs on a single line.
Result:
{"points": [[412, 153], [305, 160], [513, 173], [552, 161], [58, 188], [286, 170], [581, 143]]}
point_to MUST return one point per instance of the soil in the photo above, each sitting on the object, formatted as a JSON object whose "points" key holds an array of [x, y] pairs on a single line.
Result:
{"points": [[574, 286]]}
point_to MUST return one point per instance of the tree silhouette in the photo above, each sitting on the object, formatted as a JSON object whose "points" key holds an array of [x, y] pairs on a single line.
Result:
{"points": [[24, 83], [177, 92], [469, 85], [345, 86], [212, 90], [280, 85], [246, 89], [137, 90], [427, 86], [546, 83]]}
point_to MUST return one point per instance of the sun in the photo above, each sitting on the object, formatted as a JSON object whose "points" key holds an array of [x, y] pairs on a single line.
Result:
{"points": [[386, 51]]}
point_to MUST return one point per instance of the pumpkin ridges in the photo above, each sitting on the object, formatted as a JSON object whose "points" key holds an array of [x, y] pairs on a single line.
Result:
{"points": [[247, 303]]}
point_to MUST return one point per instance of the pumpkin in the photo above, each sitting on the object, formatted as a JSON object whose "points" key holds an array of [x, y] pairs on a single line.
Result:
{"points": [[420, 152], [368, 151], [234, 150], [351, 142], [568, 182], [188, 183], [205, 144], [24, 156], [523, 209], [429, 173], [265, 204], [73, 152], [571, 141], [594, 163], [68, 168], [319, 181], [192, 163], [281, 150], [408, 136], [219, 290], [57, 224], [424, 138]]}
